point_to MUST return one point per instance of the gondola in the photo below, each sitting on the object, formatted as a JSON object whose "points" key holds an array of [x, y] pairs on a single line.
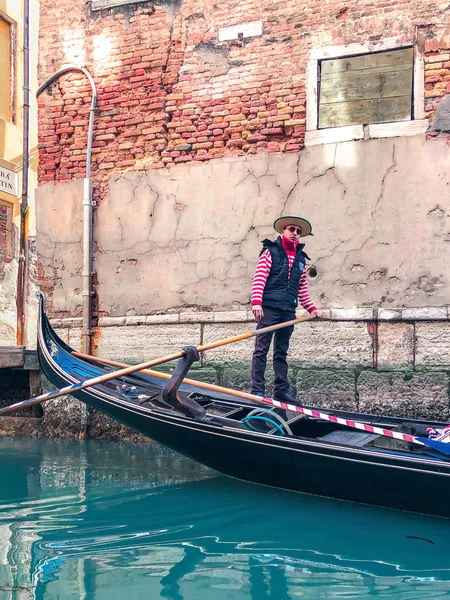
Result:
{"points": [[268, 446]]}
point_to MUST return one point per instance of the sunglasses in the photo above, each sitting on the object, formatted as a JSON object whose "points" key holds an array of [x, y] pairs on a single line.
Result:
{"points": [[295, 229]]}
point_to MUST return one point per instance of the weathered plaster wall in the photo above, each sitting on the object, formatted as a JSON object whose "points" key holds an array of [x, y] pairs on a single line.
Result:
{"points": [[189, 238], [59, 245]]}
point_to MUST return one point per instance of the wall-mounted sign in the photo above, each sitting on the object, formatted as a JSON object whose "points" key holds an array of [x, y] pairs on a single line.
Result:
{"points": [[102, 4], [9, 181], [250, 29]]}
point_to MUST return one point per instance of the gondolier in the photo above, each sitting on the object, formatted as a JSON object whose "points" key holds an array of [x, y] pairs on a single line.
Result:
{"points": [[278, 286]]}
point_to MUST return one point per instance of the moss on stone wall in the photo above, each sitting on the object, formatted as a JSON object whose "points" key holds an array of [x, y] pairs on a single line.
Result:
{"points": [[410, 394]]}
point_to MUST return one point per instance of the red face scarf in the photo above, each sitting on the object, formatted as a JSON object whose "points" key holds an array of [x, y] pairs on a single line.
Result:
{"points": [[289, 246]]}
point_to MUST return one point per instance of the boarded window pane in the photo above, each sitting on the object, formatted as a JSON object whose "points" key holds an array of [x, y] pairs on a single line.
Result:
{"points": [[371, 88], [5, 65]]}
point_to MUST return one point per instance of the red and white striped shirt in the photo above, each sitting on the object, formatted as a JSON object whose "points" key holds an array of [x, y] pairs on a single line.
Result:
{"points": [[262, 273]]}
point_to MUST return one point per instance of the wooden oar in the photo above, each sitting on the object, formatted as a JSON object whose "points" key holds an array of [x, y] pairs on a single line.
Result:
{"points": [[76, 387], [442, 447]]}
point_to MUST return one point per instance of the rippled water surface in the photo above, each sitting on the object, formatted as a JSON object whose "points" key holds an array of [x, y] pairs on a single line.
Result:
{"points": [[94, 520]]}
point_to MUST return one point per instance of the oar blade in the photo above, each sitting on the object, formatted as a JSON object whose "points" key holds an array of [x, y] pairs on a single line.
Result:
{"points": [[442, 447]]}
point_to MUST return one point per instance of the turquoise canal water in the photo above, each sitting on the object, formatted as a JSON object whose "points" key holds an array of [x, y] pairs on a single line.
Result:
{"points": [[95, 520]]}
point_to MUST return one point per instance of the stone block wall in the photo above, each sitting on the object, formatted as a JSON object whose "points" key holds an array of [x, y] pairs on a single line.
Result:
{"points": [[377, 365], [376, 362]]}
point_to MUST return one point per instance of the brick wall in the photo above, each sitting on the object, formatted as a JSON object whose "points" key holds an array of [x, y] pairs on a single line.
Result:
{"points": [[437, 73], [133, 61], [170, 92]]}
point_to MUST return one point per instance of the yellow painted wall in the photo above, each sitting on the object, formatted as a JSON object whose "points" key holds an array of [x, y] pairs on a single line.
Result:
{"points": [[11, 147], [11, 139], [5, 69]]}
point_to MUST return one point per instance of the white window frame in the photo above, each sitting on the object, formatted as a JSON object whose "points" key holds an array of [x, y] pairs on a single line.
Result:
{"points": [[416, 126]]}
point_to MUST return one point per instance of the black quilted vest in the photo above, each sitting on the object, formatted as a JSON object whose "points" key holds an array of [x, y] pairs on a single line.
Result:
{"points": [[281, 291]]}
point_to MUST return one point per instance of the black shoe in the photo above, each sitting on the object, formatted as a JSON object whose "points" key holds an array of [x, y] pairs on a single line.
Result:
{"points": [[286, 397]]}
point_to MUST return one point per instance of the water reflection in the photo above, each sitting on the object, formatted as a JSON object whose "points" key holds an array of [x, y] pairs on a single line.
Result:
{"points": [[100, 521]]}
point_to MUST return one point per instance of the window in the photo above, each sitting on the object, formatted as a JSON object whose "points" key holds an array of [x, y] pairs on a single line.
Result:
{"points": [[369, 88], [364, 91], [7, 64]]}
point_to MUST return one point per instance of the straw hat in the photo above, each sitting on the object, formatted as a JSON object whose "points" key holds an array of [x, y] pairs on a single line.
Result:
{"points": [[283, 222]]}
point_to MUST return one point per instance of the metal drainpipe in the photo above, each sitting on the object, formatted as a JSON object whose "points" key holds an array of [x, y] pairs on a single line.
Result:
{"points": [[87, 207], [22, 270]]}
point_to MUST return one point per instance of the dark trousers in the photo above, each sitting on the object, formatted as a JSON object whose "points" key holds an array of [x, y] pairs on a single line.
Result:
{"points": [[272, 316]]}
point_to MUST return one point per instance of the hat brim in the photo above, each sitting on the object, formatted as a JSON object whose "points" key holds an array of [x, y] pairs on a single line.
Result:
{"points": [[283, 222]]}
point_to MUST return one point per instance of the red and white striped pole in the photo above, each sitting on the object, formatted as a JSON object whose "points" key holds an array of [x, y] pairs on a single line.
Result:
{"points": [[406, 437]]}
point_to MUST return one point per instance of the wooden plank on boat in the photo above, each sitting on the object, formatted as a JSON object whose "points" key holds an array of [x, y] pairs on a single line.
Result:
{"points": [[12, 356], [372, 88]]}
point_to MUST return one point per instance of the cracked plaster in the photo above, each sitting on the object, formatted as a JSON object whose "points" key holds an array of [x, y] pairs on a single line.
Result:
{"points": [[190, 236], [59, 210]]}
